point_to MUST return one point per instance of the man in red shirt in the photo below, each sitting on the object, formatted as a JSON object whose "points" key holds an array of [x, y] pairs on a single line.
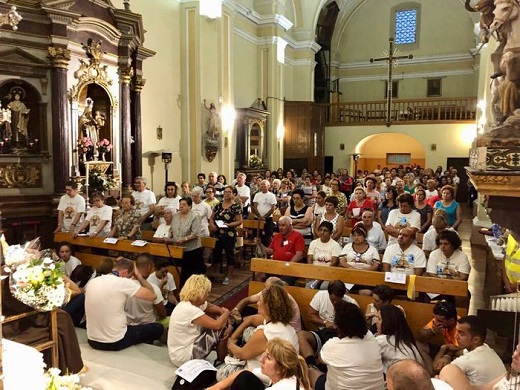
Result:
{"points": [[288, 245]]}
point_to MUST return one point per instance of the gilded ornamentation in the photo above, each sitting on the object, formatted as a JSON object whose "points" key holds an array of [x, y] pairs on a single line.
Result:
{"points": [[16, 175], [138, 83], [91, 71], [59, 57], [125, 74]]}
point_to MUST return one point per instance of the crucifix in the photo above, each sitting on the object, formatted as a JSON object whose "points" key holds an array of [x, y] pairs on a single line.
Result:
{"points": [[392, 57]]}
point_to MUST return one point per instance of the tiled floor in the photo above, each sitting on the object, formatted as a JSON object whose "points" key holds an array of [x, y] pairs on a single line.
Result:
{"points": [[146, 367]]}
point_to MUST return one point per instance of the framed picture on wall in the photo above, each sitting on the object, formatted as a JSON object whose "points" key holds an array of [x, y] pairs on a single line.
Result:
{"points": [[398, 158]]}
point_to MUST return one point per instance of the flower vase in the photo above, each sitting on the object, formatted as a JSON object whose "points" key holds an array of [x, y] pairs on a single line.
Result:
{"points": [[84, 158], [102, 156]]}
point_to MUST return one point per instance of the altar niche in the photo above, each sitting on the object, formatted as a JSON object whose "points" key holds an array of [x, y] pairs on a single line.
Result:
{"points": [[94, 119], [23, 134]]}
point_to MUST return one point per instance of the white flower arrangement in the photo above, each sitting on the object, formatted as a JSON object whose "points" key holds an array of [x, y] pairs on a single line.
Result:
{"points": [[37, 282], [65, 382]]}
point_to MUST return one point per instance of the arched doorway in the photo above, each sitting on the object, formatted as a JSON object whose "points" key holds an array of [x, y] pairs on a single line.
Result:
{"points": [[389, 150]]}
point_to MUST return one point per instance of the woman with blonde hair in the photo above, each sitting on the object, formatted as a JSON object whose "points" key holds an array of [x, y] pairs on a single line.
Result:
{"points": [[358, 205], [196, 326], [281, 364]]}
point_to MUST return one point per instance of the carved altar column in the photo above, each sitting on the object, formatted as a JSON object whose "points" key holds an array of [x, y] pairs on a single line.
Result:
{"points": [[61, 137], [137, 87], [125, 76]]}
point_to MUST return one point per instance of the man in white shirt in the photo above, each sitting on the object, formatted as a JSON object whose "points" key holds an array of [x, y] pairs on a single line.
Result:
{"points": [[164, 280], [264, 204], [479, 362], [244, 193], [105, 300], [70, 208], [321, 313], [138, 311], [431, 189], [375, 234], [202, 209], [404, 216], [144, 202], [405, 256]]}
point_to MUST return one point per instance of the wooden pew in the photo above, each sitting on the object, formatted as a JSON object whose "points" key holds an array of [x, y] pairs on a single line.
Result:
{"points": [[153, 249], [83, 244], [417, 314]]}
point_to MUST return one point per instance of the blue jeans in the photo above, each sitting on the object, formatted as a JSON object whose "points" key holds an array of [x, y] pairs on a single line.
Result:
{"points": [[135, 334]]}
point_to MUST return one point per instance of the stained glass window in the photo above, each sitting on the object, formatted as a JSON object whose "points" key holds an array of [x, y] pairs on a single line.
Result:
{"points": [[405, 26]]}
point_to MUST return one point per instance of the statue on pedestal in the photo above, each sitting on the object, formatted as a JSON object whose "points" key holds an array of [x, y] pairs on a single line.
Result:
{"points": [[17, 129], [89, 125], [212, 133]]}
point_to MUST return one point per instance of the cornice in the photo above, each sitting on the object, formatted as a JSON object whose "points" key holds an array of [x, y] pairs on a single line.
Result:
{"points": [[433, 59], [292, 43], [413, 75]]}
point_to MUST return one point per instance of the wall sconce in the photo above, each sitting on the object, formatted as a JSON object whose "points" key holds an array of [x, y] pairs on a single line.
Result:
{"points": [[227, 115], [212, 9], [166, 158]]}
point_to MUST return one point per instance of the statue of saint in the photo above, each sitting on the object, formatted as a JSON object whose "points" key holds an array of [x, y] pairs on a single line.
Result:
{"points": [[17, 129], [88, 126]]}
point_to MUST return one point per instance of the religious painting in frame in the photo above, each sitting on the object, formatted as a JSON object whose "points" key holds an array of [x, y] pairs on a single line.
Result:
{"points": [[398, 158]]}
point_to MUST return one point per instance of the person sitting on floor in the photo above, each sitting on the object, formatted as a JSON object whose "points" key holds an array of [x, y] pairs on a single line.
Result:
{"points": [[197, 326], [353, 358], [243, 309], [139, 311], [163, 279], [395, 337], [444, 322], [275, 313], [405, 256], [65, 254], [381, 295], [477, 360], [281, 364], [105, 300], [321, 313], [409, 374]]}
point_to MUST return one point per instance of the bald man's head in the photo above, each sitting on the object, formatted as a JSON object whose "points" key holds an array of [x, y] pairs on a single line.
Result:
{"points": [[408, 374]]}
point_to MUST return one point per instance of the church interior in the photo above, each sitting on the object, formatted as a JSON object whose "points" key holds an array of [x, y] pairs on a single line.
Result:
{"points": [[112, 90]]}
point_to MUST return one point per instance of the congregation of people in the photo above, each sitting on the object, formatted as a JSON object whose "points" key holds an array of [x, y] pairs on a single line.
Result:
{"points": [[130, 301]]}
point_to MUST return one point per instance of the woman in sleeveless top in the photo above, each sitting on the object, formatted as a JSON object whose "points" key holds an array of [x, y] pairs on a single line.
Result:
{"points": [[450, 205], [330, 215], [300, 214]]}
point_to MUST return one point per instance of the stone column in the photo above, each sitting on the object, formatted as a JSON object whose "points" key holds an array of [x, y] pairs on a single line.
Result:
{"points": [[137, 87], [61, 136], [125, 76]]}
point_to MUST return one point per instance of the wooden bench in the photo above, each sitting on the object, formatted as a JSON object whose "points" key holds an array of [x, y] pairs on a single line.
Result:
{"points": [[417, 314], [154, 249]]}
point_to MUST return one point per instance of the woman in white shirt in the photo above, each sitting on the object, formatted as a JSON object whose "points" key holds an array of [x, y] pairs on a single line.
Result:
{"points": [[359, 254], [353, 359], [281, 364], [395, 337], [276, 311], [196, 326]]}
